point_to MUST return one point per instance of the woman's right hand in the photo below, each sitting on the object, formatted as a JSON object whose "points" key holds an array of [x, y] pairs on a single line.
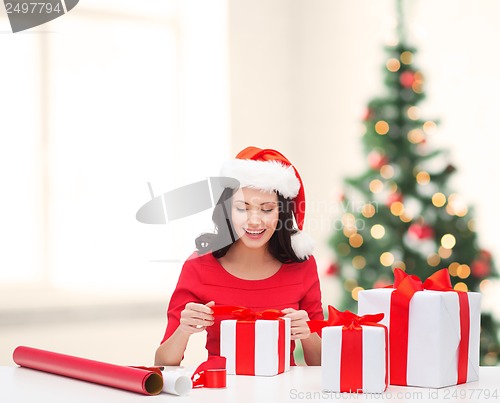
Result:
{"points": [[196, 317]]}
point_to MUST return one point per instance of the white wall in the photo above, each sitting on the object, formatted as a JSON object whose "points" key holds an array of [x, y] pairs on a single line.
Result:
{"points": [[302, 71], [262, 73]]}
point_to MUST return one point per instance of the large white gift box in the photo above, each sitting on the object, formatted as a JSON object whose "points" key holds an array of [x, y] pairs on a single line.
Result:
{"points": [[442, 334]]}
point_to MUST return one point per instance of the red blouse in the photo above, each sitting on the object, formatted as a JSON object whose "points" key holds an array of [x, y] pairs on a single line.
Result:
{"points": [[203, 279]]}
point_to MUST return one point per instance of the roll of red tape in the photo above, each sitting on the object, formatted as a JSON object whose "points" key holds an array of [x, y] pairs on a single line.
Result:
{"points": [[215, 378]]}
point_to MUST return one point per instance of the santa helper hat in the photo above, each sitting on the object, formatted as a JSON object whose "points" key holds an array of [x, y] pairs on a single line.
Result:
{"points": [[270, 171]]}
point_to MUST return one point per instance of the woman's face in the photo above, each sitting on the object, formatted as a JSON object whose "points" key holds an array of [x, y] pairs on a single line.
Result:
{"points": [[255, 216]]}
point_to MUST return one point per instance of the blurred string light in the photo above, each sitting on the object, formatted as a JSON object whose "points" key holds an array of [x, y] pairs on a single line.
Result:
{"points": [[463, 271], [448, 241], [356, 240], [416, 136], [430, 127], [355, 292], [387, 259], [418, 83], [471, 225], [393, 65], [485, 286], [348, 219], [456, 206], [406, 217], [376, 186], [350, 231], [438, 199], [387, 171], [444, 253], [368, 210], [406, 57], [377, 231], [413, 112], [423, 178], [349, 224], [397, 208], [453, 268], [382, 127], [433, 260], [359, 262]]}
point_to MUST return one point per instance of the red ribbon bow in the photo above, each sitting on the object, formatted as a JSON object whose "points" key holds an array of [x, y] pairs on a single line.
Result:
{"points": [[405, 287], [438, 281], [347, 319], [242, 313]]}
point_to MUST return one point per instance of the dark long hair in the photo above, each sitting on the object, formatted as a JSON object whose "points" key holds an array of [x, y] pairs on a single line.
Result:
{"points": [[280, 244]]}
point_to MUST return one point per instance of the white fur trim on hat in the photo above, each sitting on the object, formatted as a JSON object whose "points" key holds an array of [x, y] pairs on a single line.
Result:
{"points": [[266, 175], [302, 244]]}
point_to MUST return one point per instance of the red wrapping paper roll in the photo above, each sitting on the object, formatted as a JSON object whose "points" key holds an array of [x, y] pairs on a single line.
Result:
{"points": [[117, 376]]}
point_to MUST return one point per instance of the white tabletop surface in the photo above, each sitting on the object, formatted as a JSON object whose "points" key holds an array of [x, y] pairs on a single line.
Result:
{"points": [[300, 384]]}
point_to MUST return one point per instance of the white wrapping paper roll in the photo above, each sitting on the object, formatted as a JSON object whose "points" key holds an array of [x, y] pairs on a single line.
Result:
{"points": [[176, 383]]}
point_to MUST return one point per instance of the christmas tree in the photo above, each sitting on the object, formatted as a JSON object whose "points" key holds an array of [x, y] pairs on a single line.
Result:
{"points": [[400, 212]]}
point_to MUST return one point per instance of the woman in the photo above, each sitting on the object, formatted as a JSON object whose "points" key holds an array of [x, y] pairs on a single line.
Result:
{"points": [[258, 258]]}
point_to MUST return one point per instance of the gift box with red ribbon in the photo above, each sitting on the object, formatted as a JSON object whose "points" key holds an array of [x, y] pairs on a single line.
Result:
{"points": [[353, 352], [254, 343], [433, 329]]}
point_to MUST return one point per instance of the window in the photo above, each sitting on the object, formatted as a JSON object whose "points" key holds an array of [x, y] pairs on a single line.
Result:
{"points": [[96, 104]]}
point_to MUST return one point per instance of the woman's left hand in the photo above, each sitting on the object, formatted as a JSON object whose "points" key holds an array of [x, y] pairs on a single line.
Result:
{"points": [[298, 319]]}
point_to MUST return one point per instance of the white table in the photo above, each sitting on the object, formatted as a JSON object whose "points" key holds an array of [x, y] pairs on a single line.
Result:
{"points": [[301, 384]]}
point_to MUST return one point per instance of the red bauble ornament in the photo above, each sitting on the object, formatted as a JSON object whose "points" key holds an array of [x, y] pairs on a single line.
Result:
{"points": [[377, 160], [480, 268], [484, 255], [420, 231], [332, 270], [394, 197], [368, 114], [407, 78]]}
